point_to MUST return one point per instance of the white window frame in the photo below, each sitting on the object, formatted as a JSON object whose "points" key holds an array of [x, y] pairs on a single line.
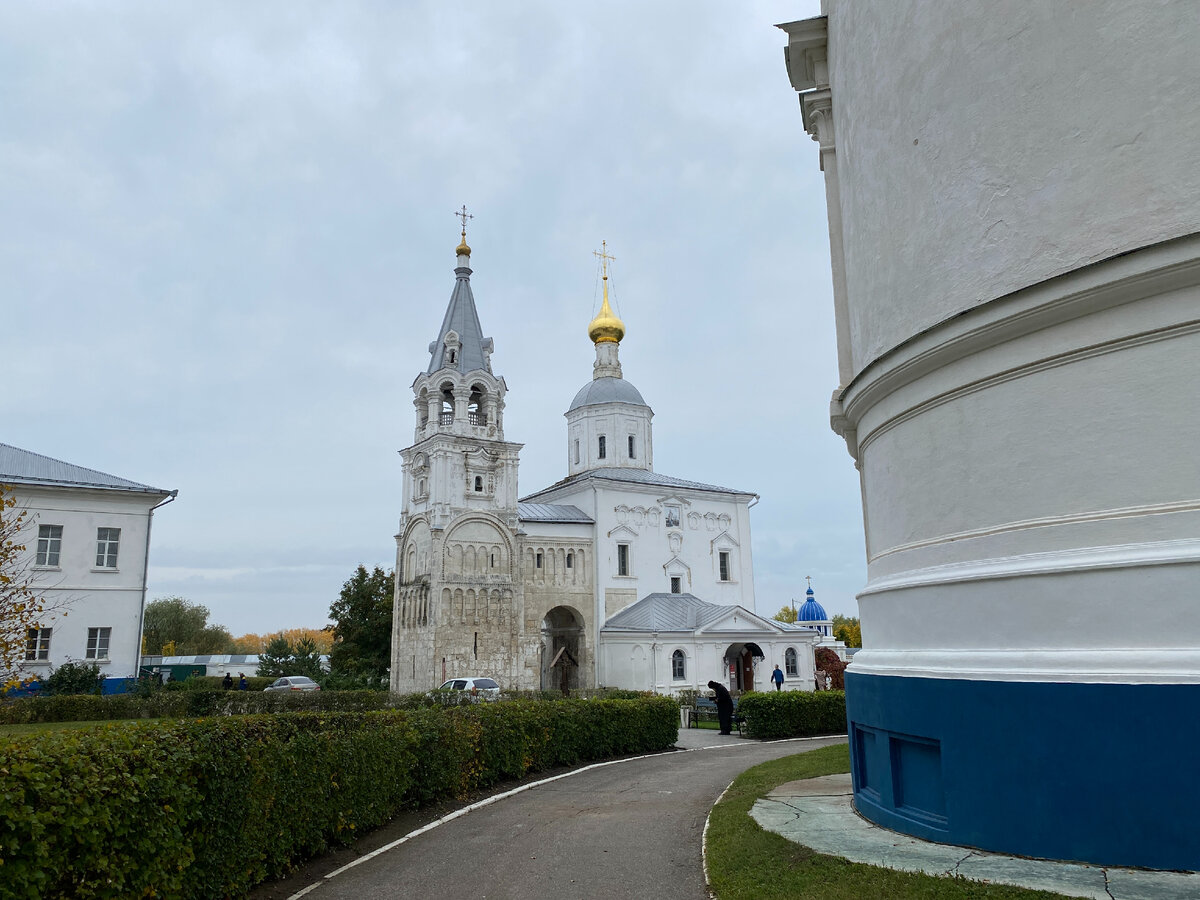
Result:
{"points": [[98, 641], [676, 584], [108, 546], [49, 546], [679, 665], [37, 644], [601, 448], [724, 566], [624, 565], [791, 663]]}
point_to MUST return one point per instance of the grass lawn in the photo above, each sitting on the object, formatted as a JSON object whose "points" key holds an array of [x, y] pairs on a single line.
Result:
{"points": [[746, 862]]}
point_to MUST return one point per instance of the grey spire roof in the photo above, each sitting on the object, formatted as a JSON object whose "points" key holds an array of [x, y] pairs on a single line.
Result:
{"points": [[607, 390], [635, 476], [666, 612], [19, 466], [463, 320]]}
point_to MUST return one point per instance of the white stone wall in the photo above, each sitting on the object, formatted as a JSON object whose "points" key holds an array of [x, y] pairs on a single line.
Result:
{"points": [[643, 663], [982, 149], [617, 422], [1014, 214], [93, 597]]}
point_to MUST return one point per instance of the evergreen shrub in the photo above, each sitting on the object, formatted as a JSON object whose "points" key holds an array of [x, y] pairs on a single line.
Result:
{"points": [[782, 714], [211, 807]]}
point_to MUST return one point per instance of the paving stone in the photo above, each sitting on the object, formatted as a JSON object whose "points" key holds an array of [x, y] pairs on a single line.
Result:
{"points": [[1071, 879], [1138, 884], [828, 785]]}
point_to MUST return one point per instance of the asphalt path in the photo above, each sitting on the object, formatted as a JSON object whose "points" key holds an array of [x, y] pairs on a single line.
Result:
{"points": [[633, 828]]}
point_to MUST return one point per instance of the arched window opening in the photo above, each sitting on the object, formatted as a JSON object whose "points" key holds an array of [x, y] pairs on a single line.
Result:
{"points": [[570, 560], [791, 663], [452, 356], [447, 414], [476, 411], [678, 666], [600, 451], [539, 559]]}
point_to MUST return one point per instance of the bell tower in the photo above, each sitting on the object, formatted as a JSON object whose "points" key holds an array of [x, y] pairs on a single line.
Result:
{"points": [[457, 597]]}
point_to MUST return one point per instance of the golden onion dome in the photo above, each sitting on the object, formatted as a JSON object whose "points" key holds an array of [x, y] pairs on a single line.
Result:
{"points": [[462, 249], [606, 326]]}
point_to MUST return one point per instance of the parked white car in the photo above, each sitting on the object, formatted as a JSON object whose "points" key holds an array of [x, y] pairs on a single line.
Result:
{"points": [[483, 688], [293, 683]]}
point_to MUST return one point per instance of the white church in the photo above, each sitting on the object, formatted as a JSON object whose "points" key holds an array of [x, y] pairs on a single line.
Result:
{"points": [[615, 576]]}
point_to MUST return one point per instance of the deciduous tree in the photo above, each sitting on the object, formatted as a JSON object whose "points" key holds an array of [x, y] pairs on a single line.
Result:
{"points": [[179, 621], [22, 606], [847, 630], [787, 614], [362, 629]]}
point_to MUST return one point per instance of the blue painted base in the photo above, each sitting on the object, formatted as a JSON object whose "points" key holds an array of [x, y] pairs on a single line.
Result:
{"points": [[1099, 773]]}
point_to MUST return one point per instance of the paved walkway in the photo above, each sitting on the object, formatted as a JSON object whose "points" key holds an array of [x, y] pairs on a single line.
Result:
{"points": [[817, 813]]}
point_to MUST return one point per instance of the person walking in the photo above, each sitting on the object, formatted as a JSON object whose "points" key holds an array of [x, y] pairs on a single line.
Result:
{"points": [[242, 683], [724, 706], [227, 682], [777, 677]]}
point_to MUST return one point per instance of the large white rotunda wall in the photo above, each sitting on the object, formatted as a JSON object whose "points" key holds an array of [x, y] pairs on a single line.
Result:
{"points": [[982, 153], [1014, 217]]}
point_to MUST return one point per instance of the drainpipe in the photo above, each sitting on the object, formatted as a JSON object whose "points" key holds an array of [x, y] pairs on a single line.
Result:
{"points": [[137, 669]]}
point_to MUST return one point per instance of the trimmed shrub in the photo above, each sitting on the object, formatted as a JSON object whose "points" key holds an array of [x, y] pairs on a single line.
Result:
{"points": [[209, 808], [780, 714]]}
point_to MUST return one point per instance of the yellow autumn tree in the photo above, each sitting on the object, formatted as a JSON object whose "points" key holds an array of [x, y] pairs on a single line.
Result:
{"points": [[21, 606], [257, 643]]}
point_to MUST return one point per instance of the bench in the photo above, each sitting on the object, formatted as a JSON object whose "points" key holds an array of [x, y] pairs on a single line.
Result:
{"points": [[706, 710]]}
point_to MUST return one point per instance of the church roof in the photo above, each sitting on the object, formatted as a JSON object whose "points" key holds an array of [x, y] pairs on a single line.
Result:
{"points": [[666, 612], [811, 610], [637, 476], [607, 390], [463, 319], [551, 512], [19, 466]]}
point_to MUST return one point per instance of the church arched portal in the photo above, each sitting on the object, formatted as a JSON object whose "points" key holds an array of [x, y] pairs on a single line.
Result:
{"points": [[739, 665], [563, 650]]}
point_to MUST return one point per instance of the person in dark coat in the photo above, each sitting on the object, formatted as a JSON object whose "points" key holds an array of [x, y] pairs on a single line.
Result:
{"points": [[227, 682], [724, 706]]}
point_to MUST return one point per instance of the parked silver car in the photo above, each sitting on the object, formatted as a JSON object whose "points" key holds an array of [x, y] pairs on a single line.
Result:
{"points": [[293, 683], [482, 688]]}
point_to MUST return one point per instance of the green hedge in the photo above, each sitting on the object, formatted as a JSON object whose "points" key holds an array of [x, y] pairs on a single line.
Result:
{"points": [[781, 714], [191, 703], [212, 807]]}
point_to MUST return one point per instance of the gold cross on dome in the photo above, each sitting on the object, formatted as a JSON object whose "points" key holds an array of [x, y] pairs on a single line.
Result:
{"points": [[464, 215], [604, 256], [808, 578]]}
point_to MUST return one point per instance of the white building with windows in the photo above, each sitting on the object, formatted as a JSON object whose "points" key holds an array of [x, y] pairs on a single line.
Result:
{"points": [[87, 541], [616, 575]]}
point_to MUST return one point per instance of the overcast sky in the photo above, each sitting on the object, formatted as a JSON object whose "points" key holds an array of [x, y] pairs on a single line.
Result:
{"points": [[229, 238]]}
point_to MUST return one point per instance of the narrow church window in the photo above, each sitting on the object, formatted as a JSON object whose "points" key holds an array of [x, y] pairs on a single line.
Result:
{"points": [[723, 558], [676, 584], [600, 452], [678, 665], [577, 452], [479, 483], [790, 663], [539, 559], [570, 560], [492, 560], [631, 456], [622, 559], [451, 357]]}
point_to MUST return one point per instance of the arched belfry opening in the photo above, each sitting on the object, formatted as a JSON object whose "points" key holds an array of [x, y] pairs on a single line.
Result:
{"points": [[740, 660], [476, 405], [563, 650], [447, 413]]}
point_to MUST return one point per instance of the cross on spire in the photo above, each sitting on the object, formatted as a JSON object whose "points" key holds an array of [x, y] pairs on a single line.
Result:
{"points": [[464, 215], [808, 578], [605, 258]]}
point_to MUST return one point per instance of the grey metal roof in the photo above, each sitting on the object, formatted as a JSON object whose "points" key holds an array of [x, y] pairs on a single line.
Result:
{"points": [[463, 319], [607, 390], [637, 476], [551, 512], [666, 612], [19, 466]]}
